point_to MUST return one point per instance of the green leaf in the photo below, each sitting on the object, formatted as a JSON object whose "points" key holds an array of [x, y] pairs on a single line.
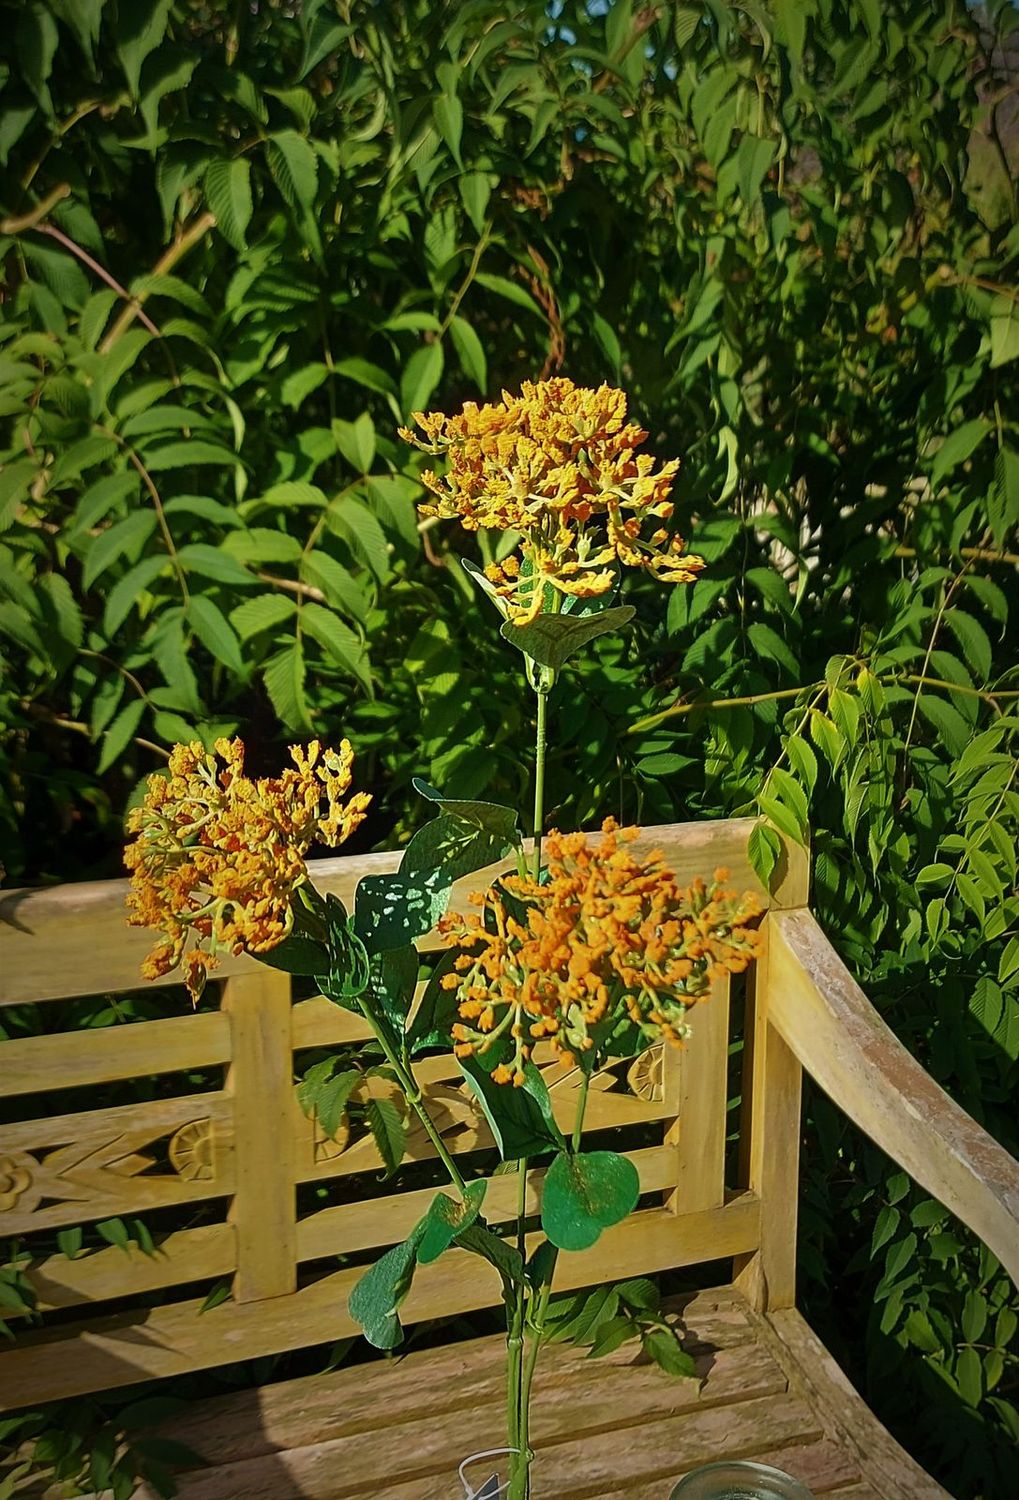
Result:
{"points": [[957, 448], [140, 27], [365, 373], [387, 1126], [351, 520], [393, 910], [294, 167], [264, 612], [374, 1303], [480, 1240], [551, 639], [586, 1193], [470, 352], [213, 562], [215, 632], [356, 441], [663, 1346], [183, 455], [284, 682], [764, 848], [973, 641], [447, 111], [228, 192], [475, 191], [515, 1117], [754, 156], [421, 375], [436, 1011], [446, 1219], [512, 291], [129, 591], [952, 729], [338, 641], [341, 588], [114, 1232]]}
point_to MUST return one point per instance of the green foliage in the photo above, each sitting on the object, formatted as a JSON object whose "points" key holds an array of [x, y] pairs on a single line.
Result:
{"points": [[584, 1193], [791, 232]]}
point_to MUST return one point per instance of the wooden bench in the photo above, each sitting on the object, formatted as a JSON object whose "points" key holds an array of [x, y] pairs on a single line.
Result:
{"points": [[603, 1428]]}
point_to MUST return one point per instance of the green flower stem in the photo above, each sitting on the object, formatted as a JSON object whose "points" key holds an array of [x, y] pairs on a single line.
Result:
{"points": [[519, 1487], [540, 746], [409, 1085]]}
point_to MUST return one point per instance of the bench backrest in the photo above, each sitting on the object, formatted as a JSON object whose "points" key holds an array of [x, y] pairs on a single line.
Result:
{"points": [[246, 1156]]}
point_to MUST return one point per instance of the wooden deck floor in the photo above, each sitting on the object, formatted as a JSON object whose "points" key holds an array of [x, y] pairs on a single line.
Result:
{"points": [[609, 1428]]}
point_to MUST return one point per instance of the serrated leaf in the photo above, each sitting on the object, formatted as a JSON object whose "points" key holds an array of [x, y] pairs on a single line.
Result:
{"points": [[264, 612], [228, 192], [421, 375], [470, 352], [284, 682], [214, 631], [294, 167]]}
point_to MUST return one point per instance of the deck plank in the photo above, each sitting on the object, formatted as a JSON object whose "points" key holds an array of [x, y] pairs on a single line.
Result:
{"points": [[610, 1429], [363, 1398]]}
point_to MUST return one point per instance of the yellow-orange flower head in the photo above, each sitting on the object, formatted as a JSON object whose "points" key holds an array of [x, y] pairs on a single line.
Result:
{"points": [[558, 464], [218, 856], [608, 942]]}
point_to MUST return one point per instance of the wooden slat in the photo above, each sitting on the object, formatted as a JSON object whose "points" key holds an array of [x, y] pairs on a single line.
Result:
{"points": [[319, 1022], [822, 1465], [73, 939], [100, 1354], [615, 1403], [352, 1227], [95, 1165], [365, 1397], [812, 1371], [103, 1275], [770, 1142], [210, 1251], [69, 1059], [836, 1033], [698, 1133], [263, 1211]]}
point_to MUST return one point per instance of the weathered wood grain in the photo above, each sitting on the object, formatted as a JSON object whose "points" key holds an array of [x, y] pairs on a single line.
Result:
{"points": [[260, 1083], [365, 1396], [697, 1134], [769, 1142], [835, 1032], [105, 1162], [103, 1353], [815, 1375], [69, 1059]]}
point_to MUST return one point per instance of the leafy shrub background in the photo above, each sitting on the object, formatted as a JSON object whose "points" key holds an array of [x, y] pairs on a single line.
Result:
{"points": [[241, 243]]}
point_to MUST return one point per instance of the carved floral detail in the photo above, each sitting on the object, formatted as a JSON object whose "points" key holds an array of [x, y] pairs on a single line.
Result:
{"points": [[191, 1151], [17, 1176], [646, 1075]]}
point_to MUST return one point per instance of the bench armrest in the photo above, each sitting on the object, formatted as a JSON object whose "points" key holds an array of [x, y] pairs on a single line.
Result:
{"points": [[829, 1024]]}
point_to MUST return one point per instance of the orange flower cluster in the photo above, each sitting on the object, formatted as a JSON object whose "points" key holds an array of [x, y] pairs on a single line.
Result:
{"points": [[217, 856], [557, 464], [609, 938]]}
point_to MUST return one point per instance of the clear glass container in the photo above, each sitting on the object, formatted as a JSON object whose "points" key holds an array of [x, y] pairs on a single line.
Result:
{"points": [[740, 1481]]}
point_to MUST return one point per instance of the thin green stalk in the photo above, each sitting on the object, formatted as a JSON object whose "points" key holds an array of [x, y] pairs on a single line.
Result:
{"points": [[520, 1478], [408, 1083], [540, 746]]}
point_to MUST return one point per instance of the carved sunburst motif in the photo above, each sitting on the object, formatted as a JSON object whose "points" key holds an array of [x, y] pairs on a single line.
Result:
{"points": [[191, 1151], [646, 1075]]}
